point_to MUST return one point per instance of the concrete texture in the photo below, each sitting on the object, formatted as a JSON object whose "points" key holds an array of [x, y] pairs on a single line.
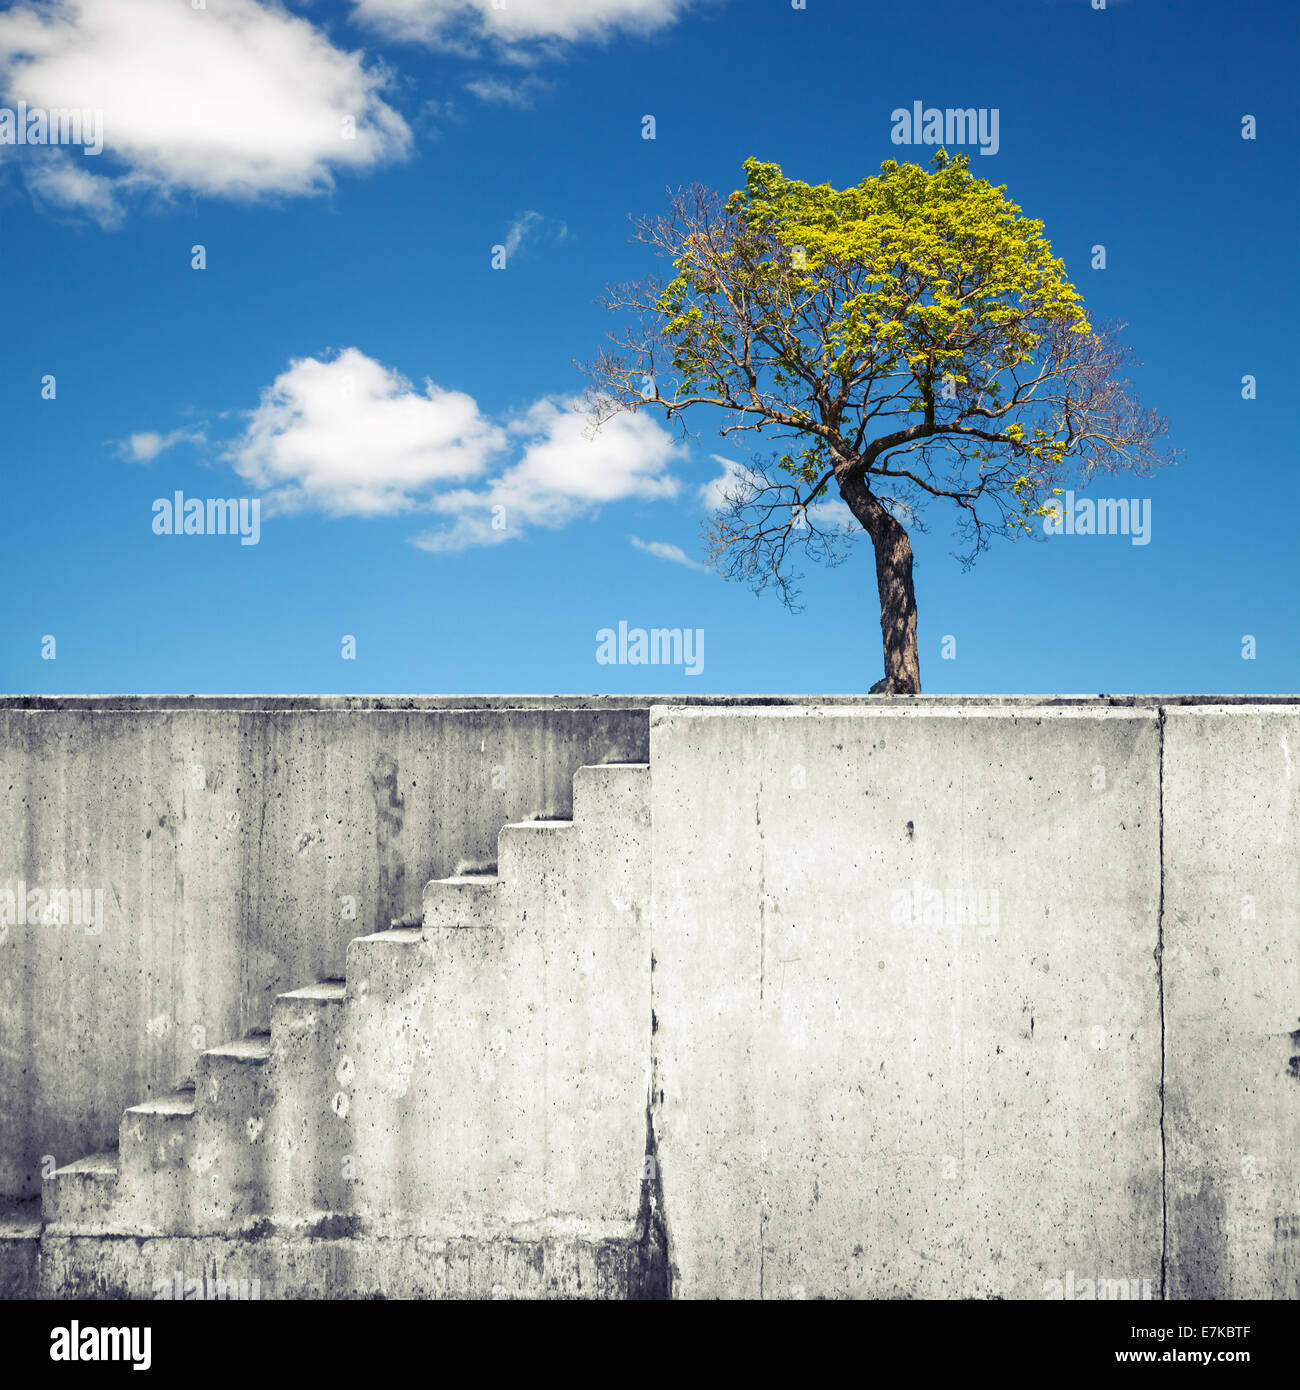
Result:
{"points": [[1232, 1001], [977, 1000], [271, 1266], [20, 1235], [473, 1084], [865, 1086], [236, 852]]}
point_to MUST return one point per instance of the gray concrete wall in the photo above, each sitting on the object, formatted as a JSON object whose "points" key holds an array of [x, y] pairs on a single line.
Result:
{"points": [[864, 1087], [1080, 1066], [1232, 1001], [236, 850]]}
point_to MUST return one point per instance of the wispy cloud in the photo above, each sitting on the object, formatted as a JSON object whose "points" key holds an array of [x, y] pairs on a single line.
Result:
{"points": [[457, 24], [663, 550], [497, 91], [146, 446], [714, 493], [531, 224]]}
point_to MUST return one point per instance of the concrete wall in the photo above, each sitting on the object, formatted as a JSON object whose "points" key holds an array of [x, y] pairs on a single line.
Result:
{"points": [[952, 999], [237, 850], [867, 1087], [1232, 1001]]}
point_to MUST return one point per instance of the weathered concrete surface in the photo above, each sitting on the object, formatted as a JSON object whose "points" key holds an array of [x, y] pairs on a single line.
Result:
{"points": [[858, 1092], [236, 852], [502, 1073], [466, 1084], [863, 1086], [20, 1233], [278, 1266], [1232, 1001]]}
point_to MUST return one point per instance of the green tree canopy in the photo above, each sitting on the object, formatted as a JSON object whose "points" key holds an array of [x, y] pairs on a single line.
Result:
{"points": [[909, 338]]}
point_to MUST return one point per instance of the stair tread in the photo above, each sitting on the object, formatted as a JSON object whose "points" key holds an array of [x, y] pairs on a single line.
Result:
{"points": [[165, 1105], [591, 767], [102, 1164], [475, 880], [400, 935], [254, 1049], [326, 991], [538, 825]]}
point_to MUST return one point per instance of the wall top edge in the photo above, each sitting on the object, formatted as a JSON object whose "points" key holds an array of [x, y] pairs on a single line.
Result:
{"points": [[436, 703], [470, 703]]}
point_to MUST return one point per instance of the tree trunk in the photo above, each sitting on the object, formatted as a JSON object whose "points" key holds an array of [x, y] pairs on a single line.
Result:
{"points": [[894, 581]]}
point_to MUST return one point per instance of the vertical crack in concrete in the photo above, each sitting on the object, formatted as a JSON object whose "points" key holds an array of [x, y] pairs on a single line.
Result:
{"points": [[762, 977], [653, 1274], [1160, 986], [653, 1278]]}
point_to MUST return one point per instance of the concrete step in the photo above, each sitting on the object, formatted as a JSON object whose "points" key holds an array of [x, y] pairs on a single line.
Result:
{"points": [[232, 1076], [529, 852], [81, 1193], [227, 1149], [310, 1136], [466, 900], [154, 1141], [387, 961], [609, 791], [152, 1134]]}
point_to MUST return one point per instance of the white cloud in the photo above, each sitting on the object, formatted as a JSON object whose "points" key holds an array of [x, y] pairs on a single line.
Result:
{"points": [[529, 226], [566, 471], [62, 182], [828, 513], [713, 493], [453, 22], [237, 100], [145, 447], [519, 229], [351, 436], [663, 550], [497, 91]]}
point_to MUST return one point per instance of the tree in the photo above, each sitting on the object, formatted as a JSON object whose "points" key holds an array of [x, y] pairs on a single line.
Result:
{"points": [[916, 339]]}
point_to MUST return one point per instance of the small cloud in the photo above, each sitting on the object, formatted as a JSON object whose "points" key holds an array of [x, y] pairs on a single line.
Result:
{"points": [[662, 550], [146, 446], [714, 493], [434, 116], [350, 436], [566, 471], [527, 225], [519, 229], [498, 92], [460, 24], [57, 182]]}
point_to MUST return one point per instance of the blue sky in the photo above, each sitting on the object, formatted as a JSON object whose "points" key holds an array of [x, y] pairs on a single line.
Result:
{"points": [[371, 259]]}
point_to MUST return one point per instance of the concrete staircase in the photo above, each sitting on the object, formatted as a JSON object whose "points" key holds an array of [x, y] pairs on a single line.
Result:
{"points": [[440, 1122]]}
